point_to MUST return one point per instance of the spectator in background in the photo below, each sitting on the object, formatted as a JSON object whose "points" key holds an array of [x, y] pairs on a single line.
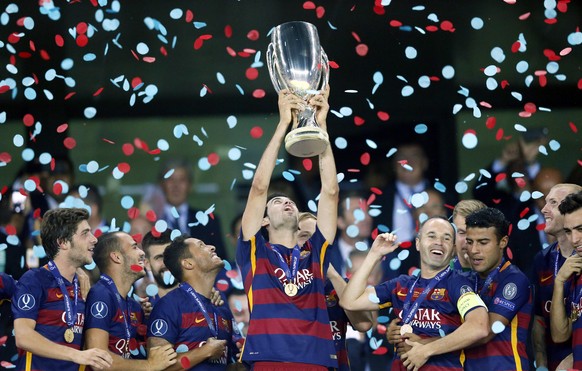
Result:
{"points": [[91, 196], [512, 174], [176, 180], [239, 306]]}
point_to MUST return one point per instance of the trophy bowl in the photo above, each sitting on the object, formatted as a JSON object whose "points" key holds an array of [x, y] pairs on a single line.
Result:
{"points": [[297, 62]]}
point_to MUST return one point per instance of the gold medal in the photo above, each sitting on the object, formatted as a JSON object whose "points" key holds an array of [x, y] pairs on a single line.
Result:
{"points": [[69, 335], [405, 329], [291, 289]]}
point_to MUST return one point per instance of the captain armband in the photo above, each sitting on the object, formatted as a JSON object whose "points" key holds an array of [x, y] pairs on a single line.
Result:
{"points": [[468, 301]]}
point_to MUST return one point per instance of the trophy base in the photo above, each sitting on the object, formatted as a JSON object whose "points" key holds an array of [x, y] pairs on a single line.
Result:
{"points": [[306, 141]]}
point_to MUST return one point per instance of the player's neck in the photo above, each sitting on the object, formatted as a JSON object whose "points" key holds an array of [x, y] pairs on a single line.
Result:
{"points": [[122, 282], [162, 291], [65, 267], [428, 272], [202, 283], [283, 237], [565, 247]]}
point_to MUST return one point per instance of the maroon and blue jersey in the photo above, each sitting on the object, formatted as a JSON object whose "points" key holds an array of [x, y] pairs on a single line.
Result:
{"points": [[438, 315], [38, 297], [547, 263], [338, 321], [509, 295], [575, 301], [281, 326], [179, 320], [103, 311]]}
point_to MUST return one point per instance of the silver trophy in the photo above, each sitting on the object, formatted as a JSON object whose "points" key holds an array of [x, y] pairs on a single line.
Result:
{"points": [[297, 62]]}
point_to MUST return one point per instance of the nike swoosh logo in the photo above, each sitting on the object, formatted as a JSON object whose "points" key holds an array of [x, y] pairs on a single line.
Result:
{"points": [[400, 293], [198, 320], [544, 279], [59, 296]]}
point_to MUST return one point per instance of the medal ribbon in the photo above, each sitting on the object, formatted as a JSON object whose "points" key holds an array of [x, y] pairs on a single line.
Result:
{"points": [[489, 278], [126, 315], [290, 272], [212, 325], [409, 312], [70, 310]]}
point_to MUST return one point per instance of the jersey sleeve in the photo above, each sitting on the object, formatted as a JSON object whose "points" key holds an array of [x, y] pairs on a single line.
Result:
{"points": [[99, 309], [165, 321], [7, 286], [384, 293], [462, 293], [510, 296], [28, 296]]}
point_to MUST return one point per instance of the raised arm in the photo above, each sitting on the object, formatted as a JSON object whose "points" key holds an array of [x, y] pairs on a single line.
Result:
{"points": [[329, 195], [560, 324], [356, 295], [254, 211], [360, 320]]}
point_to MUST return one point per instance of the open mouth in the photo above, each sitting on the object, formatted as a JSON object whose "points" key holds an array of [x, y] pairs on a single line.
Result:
{"points": [[437, 252]]}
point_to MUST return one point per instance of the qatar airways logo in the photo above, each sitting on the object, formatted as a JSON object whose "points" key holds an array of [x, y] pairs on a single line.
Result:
{"points": [[303, 279], [336, 332], [428, 318]]}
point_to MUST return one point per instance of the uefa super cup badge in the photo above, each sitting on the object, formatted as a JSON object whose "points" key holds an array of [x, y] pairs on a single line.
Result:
{"points": [[297, 62]]}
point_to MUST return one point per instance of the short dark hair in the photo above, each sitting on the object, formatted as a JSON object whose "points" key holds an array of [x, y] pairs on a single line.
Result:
{"points": [[489, 217], [106, 244], [59, 225], [571, 203], [174, 254], [272, 196], [149, 239]]}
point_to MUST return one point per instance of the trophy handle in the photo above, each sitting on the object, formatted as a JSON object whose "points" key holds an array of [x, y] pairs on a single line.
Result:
{"points": [[324, 71], [273, 67]]}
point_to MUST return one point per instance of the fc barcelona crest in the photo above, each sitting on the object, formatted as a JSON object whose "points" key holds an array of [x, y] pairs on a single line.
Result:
{"points": [[438, 294]]}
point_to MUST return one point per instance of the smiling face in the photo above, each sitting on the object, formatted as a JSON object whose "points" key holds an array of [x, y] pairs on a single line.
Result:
{"points": [[485, 250], [573, 229], [82, 245], [554, 220], [204, 255], [435, 243], [132, 256]]}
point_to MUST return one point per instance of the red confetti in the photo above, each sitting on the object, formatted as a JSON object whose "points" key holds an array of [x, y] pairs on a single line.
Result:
{"points": [[253, 35], [375, 190], [378, 9], [57, 188], [320, 12], [524, 16], [395, 23], [82, 41], [515, 47], [256, 132], [541, 227], [499, 134], [259, 93], [334, 65], [381, 329], [124, 167], [432, 28], [3, 340], [70, 143], [380, 351], [490, 123], [185, 362], [365, 159], [98, 92], [59, 40], [499, 177], [137, 237], [28, 120], [228, 31], [543, 80], [406, 244], [307, 164], [11, 231], [127, 149], [189, 16], [232, 274], [13, 38], [136, 268], [579, 84], [45, 55], [447, 26], [68, 96], [504, 84], [151, 216], [357, 37], [573, 127], [7, 364], [222, 285], [520, 182], [132, 344], [383, 116], [5, 157], [362, 50], [359, 121], [530, 107], [308, 5], [551, 21], [230, 51], [36, 213], [509, 253], [213, 159], [133, 213], [82, 28], [135, 82], [197, 45], [252, 73], [62, 128]]}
